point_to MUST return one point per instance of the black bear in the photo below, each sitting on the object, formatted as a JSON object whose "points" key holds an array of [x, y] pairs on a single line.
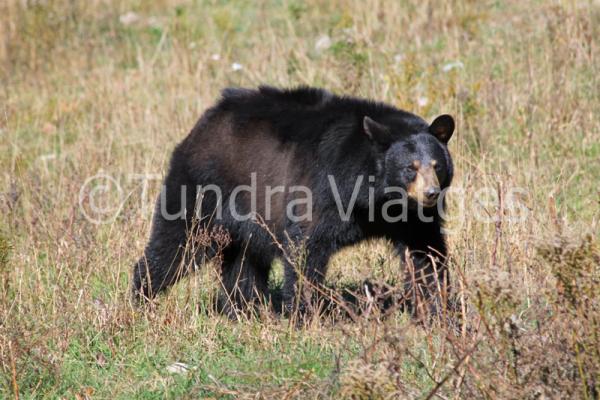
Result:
{"points": [[300, 168]]}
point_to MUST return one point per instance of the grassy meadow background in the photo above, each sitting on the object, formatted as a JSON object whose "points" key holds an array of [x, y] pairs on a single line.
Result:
{"points": [[109, 87]]}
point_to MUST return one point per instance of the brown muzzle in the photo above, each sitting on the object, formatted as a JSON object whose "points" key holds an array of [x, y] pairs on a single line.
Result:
{"points": [[425, 189]]}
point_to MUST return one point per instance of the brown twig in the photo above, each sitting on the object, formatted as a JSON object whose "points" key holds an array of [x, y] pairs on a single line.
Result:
{"points": [[13, 367], [437, 387]]}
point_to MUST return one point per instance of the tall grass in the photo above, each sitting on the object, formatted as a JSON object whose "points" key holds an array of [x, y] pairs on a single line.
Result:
{"points": [[87, 88]]}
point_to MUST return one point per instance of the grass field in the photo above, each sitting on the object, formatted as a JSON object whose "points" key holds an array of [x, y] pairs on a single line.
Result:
{"points": [[107, 88]]}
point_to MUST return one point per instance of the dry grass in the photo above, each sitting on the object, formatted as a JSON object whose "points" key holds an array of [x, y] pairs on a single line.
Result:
{"points": [[83, 92]]}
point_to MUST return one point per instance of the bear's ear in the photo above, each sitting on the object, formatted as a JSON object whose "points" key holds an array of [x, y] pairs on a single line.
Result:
{"points": [[442, 128], [377, 132]]}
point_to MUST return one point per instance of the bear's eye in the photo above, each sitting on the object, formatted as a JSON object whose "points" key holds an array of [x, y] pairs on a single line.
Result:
{"points": [[409, 173]]}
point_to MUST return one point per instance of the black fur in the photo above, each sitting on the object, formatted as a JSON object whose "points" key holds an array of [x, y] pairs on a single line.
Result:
{"points": [[294, 137]]}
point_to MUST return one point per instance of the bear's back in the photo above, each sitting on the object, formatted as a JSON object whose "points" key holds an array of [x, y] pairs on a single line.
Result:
{"points": [[306, 113], [303, 114], [266, 99]]}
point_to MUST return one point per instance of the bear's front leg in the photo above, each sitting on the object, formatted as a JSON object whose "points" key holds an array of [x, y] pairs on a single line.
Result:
{"points": [[426, 278]]}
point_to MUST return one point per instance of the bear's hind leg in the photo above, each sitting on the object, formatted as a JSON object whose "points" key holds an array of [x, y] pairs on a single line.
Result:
{"points": [[302, 283], [161, 264], [245, 284]]}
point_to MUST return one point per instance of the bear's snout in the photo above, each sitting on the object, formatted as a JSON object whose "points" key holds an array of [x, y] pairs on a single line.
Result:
{"points": [[432, 193], [425, 188]]}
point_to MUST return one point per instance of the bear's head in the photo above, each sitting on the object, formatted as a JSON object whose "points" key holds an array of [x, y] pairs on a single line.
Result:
{"points": [[414, 157]]}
